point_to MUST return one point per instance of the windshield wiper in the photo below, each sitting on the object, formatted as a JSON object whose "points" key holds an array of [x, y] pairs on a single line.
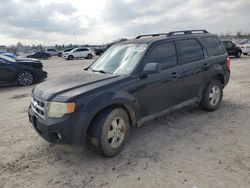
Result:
{"points": [[100, 71]]}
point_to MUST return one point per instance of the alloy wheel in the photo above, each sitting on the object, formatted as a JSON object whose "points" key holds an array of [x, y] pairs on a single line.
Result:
{"points": [[116, 132], [214, 95]]}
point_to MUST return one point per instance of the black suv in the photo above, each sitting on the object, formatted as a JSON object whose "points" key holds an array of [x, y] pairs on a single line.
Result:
{"points": [[130, 83], [231, 48], [24, 71]]}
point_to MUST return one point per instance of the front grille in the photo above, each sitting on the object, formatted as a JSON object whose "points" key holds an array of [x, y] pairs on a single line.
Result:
{"points": [[38, 106]]}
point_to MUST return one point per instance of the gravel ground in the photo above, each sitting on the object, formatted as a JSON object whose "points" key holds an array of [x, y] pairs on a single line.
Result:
{"points": [[188, 148]]}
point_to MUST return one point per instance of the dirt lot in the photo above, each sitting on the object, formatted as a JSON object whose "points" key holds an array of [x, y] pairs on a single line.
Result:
{"points": [[188, 148]]}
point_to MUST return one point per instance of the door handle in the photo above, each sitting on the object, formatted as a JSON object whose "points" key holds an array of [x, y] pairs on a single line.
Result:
{"points": [[205, 65], [174, 75]]}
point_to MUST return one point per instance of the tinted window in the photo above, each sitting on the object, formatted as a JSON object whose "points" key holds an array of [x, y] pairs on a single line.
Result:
{"points": [[213, 46], [190, 50], [165, 54], [225, 43], [230, 44]]}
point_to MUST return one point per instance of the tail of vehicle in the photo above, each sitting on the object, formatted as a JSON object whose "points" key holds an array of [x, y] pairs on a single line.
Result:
{"points": [[228, 63]]}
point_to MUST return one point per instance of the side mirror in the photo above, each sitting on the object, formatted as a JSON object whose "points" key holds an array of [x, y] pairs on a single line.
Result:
{"points": [[151, 68]]}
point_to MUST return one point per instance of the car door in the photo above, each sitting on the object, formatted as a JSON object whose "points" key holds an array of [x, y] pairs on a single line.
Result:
{"points": [[85, 52], [231, 50], [194, 63], [78, 53], [7, 71], [160, 91]]}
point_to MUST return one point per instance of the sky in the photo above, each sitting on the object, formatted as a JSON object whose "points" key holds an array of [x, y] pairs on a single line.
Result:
{"points": [[50, 22]]}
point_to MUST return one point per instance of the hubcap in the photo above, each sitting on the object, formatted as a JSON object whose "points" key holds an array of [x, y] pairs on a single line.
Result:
{"points": [[214, 95], [116, 132], [25, 79]]}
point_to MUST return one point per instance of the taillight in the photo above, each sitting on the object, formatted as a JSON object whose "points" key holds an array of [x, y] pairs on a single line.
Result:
{"points": [[228, 63]]}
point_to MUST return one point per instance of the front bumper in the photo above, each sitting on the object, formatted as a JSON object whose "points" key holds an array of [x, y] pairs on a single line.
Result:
{"points": [[70, 130], [65, 56]]}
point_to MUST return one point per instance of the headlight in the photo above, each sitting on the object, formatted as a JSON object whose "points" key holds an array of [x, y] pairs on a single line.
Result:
{"points": [[58, 109]]}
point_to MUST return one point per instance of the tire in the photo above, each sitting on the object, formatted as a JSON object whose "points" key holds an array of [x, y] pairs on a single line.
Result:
{"points": [[25, 78], [89, 56], [70, 57], [109, 131], [238, 55], [212, 96], [60, 54], [244, 53]]}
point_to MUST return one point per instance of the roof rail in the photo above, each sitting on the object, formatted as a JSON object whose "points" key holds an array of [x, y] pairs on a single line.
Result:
{"points": [[185, 32], [151, 35]]}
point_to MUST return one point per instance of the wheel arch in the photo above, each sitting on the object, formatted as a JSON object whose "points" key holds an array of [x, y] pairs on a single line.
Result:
{"points": [[127, 108], [217, 75]]}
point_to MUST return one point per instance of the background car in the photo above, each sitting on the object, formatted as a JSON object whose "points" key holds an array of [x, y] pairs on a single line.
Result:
{"points": [[79, 53], [231, 48], [64, 51], [52, 51], [39, 55], [245, 47], [23, 71], [8, 54], [100, 51]]}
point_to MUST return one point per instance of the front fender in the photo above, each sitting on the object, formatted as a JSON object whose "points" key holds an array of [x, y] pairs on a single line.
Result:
{"points": [[104, 100], [109, 98]]}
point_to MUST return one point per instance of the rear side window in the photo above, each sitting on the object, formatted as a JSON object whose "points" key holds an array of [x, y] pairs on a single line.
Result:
{"points": [[165, 54], [190, 50], [213, 46]]}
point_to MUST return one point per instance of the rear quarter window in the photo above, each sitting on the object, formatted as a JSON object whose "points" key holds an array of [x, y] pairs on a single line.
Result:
{"points": [[213, 46]]}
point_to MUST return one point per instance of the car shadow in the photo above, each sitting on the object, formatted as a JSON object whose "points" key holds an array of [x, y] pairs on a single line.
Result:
{"points": [[169, 135], [187, 120]]}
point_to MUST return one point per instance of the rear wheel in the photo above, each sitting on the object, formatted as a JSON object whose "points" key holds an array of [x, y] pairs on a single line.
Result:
{"points": [[212, 96], [25, 78], [109, 131], [89, 56], [238, 54]]}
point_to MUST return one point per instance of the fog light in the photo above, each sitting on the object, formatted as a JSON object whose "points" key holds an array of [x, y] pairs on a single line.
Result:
{"points": [[57, 136]]}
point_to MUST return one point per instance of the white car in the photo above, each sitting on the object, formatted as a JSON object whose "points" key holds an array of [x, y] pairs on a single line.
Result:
{"points": [[52, 51], [245, 47], [79, 53]]}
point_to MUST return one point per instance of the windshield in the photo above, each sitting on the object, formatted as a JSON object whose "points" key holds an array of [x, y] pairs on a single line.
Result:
{"points": [[7, 58], [245, 42], [119, 59]]}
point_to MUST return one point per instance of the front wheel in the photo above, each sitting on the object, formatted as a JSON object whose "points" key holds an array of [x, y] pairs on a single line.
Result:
{"points": [[25, 78], [244, 53], [70, 57], [212, 96], [109, 131]]}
